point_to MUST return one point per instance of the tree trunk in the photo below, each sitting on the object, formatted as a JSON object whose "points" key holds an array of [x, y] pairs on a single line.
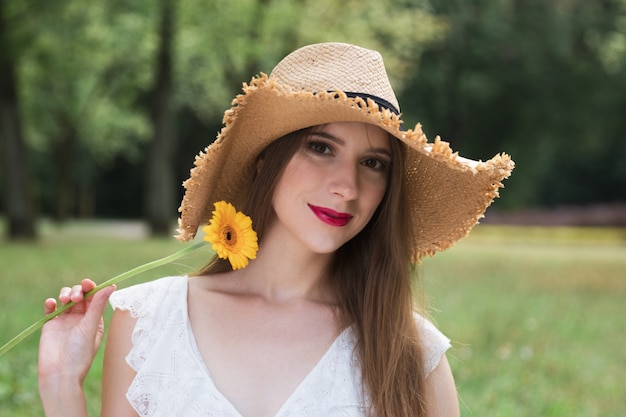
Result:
{"points": [[18, 200], [160, 196], [64, 159]]}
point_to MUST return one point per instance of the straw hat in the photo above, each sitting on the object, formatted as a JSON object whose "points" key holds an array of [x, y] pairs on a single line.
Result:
{"points": [[335, 82]]}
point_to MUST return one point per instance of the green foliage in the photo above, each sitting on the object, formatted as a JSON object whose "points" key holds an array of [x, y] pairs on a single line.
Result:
{"points": [[540, 80], [81, 75], [86, 73], [225, 43]]}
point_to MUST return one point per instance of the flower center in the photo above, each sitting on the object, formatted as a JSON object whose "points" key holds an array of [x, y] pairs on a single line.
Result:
{"points": [[230, 237]]}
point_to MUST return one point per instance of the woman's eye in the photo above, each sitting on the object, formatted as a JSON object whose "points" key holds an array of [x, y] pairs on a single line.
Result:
{"points": [[320, 147], [375, 164]]}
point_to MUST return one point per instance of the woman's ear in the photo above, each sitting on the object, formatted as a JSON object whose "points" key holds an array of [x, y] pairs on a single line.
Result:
{"points": [[259, 162]]}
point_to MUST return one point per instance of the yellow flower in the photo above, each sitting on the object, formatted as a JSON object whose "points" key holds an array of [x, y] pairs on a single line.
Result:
{"points": [[231, 234]]}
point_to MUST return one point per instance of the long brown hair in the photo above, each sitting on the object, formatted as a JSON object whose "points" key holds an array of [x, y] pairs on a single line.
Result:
{"points": [[371, 277]]}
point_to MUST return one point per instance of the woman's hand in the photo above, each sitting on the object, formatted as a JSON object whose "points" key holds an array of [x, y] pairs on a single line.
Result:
{"points": [[69, 343]]}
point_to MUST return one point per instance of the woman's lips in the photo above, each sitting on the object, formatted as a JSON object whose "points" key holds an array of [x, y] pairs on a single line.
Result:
{"points": [[331, 217]]}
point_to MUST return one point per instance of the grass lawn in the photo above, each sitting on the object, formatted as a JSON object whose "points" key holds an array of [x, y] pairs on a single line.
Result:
{"points": [[537, 316]]}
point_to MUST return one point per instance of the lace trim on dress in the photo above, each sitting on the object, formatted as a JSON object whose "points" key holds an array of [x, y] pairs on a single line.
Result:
{"points": [[434, 343], [142, 301]]}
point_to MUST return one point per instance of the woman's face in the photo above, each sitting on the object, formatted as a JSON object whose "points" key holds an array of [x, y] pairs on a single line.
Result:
{"points": [[332, 185]]}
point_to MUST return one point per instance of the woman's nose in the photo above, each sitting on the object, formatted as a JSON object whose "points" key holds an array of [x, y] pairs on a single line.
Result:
{"points": [[344, 181]]}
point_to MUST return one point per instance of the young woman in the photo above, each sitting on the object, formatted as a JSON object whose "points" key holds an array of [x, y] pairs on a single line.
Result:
{"points": [[323, 321]]}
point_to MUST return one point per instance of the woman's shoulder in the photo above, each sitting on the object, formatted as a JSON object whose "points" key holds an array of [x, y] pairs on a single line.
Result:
{"points": [[157, 315], [141, 298], [434, 342]]}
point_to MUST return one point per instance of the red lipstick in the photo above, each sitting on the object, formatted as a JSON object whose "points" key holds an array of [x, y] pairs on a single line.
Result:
{"points": [[331, 217]]}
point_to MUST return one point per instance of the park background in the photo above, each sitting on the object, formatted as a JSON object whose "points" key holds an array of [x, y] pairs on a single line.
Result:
{"points": [[103, 106]]}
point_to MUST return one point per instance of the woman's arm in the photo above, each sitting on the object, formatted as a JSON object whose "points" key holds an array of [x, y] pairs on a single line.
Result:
{"points": [[441, 396], [117, 375], [67, 347]]}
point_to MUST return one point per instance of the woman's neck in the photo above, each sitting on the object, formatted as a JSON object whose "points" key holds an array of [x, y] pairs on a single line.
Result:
{"points": [[285, 270]]}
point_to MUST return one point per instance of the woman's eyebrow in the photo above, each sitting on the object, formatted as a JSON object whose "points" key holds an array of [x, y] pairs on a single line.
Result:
{"points": [[340, 141], [328, 136]]}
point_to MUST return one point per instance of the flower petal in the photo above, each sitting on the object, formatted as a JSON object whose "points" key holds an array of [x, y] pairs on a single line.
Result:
{"points": [[231, 235]]}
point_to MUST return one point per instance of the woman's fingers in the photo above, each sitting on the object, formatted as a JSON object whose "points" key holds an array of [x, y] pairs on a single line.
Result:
{"points": [[98, 304], [49, 306], [87, 285], [65, 295], [91, 322], [75, 294]]}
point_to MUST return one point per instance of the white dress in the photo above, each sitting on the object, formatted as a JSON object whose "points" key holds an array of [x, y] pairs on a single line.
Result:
{"points": [[172, 379]]}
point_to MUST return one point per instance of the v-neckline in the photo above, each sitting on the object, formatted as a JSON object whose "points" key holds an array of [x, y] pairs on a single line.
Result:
{"points": [[193, 344]]}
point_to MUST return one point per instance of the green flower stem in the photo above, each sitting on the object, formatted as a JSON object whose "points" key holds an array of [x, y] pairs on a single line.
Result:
{"points": [[117, 279]]}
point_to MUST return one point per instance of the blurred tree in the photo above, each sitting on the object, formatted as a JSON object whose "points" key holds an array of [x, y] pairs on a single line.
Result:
{"points": [[541, 80], [18, 199], [160, 197], [224, 43], [99, 80], [80, 92]]}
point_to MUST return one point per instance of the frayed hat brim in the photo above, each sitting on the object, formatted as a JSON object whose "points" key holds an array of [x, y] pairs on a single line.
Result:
{"points": [[448, 194]]}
